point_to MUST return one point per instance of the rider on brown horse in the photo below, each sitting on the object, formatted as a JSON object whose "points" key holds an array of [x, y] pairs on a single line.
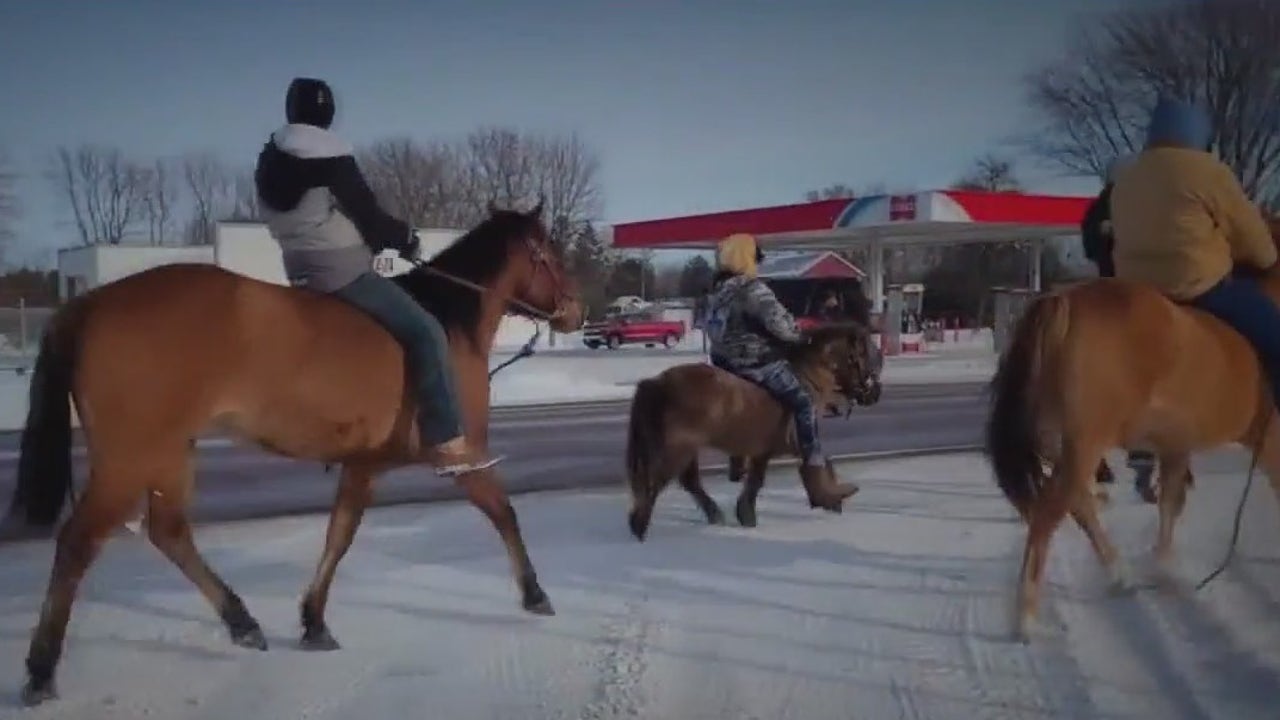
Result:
{"points": [[745, 321], [1183, 222], [328, 223]]}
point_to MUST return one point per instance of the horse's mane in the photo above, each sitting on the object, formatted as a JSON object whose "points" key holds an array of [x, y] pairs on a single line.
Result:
{"points": [[479, 256]]}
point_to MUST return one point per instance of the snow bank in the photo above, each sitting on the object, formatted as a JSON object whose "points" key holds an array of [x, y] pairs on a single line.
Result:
{"points": [[558, 374], [898, 608]]}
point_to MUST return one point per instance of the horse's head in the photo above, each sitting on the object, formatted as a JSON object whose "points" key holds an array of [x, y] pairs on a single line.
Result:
{"points": [[541, 281], [842, 357], [511, 256]]}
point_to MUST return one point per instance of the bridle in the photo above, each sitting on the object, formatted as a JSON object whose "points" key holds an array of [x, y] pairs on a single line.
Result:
{"points": [[541, 261]]}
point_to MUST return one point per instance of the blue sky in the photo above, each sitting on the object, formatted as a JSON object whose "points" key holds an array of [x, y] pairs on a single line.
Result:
{"points": [[692, 105]]}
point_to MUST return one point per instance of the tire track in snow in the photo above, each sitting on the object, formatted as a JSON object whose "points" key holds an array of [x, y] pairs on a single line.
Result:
{"points": [[620, 667]]}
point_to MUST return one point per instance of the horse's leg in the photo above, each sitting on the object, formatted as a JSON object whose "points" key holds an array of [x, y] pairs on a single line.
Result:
{"points": [[657, 475], [1174, 475], [1070, 477], [355, 490], [486, 493], [1084, 510], [169, 530], [101, 509], [736, 463], [746, 506], [691, 481]]}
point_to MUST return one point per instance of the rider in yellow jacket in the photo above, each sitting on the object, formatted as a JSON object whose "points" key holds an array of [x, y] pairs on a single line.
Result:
{"points": [[1183, 223]]}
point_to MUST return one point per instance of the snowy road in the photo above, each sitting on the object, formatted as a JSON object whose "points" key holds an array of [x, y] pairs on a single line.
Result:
{"points": [[897, 609]]}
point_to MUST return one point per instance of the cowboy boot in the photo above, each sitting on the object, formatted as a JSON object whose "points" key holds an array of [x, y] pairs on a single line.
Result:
{"points": [[823, 489], [456, 457]]}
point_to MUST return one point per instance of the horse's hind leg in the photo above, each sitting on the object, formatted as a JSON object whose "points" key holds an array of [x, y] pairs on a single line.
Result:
{"points": [[736, 466], [1175, 474], [169, 529], [485, 492], [745, 508], [691, 481], [1066, 490], [355, 490], [1084, 510], [104, 506]]}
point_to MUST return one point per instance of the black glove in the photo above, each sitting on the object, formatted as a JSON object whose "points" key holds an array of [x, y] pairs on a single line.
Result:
{"points": [[408, 247]]}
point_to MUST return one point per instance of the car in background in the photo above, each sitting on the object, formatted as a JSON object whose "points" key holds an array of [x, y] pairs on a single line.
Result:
{"points": [[633, 328]]}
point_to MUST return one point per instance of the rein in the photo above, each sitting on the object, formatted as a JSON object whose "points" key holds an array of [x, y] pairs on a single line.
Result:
{"points": [[528, 349]]}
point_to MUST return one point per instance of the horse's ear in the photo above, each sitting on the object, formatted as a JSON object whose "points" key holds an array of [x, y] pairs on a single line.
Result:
{"points": [[536, 212]]}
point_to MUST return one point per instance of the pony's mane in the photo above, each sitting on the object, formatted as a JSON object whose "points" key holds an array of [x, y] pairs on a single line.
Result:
{"points": [[479, 256]]}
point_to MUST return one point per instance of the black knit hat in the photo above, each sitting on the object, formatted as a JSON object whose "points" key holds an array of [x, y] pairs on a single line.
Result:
{"points": [[309, 102]]}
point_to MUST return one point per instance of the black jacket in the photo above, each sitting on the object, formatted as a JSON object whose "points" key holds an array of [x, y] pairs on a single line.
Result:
{"points": [[1095, 231]]}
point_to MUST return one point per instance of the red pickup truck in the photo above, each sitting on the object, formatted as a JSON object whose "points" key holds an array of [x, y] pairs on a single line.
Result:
{"points": [[633, 328]]}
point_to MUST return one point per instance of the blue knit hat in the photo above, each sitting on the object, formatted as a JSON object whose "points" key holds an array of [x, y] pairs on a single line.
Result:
{"points": [[1180, 122]]}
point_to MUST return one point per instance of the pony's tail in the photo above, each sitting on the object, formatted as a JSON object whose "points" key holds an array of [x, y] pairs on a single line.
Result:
{"points": [[645, 449], [1021, 385], [44, 465]]}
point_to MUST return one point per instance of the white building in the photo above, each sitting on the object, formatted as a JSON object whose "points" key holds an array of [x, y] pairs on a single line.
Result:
{"points": [[245, 248]]}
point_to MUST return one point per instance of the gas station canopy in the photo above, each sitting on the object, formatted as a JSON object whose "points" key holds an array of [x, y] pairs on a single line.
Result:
{"points": [[874, 223], [940, 217]]}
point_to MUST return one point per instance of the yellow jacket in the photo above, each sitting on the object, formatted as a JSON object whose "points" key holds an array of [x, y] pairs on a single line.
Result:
{"points": [[1181, 221]]}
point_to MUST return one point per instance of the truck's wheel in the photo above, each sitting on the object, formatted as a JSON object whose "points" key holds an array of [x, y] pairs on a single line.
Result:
{"points": [[615, 342], [669, 341]]}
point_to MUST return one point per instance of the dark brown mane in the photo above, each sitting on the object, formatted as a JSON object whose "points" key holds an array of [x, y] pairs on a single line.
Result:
{"points": [[480, 256]]}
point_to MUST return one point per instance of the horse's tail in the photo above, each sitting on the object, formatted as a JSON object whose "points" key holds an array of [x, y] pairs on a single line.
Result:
{"points": [[44, 465], [1022, 391], [645, 449]]}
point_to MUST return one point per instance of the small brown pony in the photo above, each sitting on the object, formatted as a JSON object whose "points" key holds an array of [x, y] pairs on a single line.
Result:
{"points": [[1107, 364], [153, 360], [692, 406]]}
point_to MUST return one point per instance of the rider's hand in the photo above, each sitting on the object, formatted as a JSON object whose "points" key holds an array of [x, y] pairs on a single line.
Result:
{"points": [[411, 248]]}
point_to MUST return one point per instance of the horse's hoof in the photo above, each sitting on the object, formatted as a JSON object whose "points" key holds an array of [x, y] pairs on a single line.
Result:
{"points": [[1121, 580], [746, 515], [540, 607], [715, 517], [251, 638], [319, 640], [639, 526], [36, 693]]}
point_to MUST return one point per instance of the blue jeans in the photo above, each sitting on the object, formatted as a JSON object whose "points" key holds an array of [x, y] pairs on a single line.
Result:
{"points": [[780, 380], [1241, 303], [426, 350]]}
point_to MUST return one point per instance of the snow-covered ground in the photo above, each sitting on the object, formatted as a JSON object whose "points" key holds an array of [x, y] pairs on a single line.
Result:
{"points": [[897, 609]]}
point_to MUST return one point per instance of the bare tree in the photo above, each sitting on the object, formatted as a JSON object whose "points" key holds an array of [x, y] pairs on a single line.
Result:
{"points": [[566, 177], [245, 204], [414, 181], [1094, 103], [161, 193], [104, 190], [990, 173], [834, 191], [211, 187], [10, 208], [498, 169]]}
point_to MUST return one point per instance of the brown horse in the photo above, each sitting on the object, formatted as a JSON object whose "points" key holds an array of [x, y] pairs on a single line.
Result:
{"points": [[692, 406], [1108, 364], [155, 359]]}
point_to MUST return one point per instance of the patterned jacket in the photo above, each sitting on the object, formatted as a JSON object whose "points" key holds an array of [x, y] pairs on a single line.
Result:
{"points": [[745, 321]]}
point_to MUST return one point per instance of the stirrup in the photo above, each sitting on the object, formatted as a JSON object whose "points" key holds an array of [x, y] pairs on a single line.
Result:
{"points": [[462, 468]]}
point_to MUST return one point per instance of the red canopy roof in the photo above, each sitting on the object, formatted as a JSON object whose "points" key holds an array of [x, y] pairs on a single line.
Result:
{"points": [[937, 216]]}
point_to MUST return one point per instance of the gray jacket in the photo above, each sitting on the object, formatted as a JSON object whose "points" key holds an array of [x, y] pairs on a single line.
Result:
{"points": [[320, 209], [745, 321]]}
